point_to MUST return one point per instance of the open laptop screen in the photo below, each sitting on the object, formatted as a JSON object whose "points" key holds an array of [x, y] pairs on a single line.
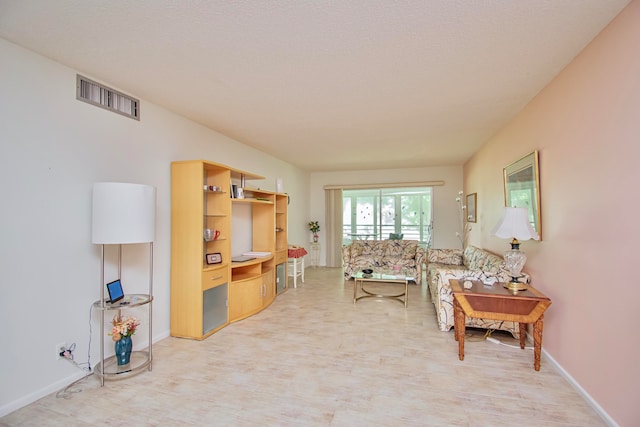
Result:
{"points": [[115, 291]]}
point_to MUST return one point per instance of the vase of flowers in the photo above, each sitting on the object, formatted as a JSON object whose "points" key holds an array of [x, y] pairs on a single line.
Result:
{"points": [[314, 227], [123, 328], [123, 350]]}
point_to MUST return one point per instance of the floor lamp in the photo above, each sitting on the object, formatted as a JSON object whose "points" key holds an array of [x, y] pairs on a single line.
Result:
{"points": [[123, 213]]}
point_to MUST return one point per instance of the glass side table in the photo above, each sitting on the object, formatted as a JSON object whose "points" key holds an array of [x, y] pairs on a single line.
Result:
{"points": [[107, 368]]}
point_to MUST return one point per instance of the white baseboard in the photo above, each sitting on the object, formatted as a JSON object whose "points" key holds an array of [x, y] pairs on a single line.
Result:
{"points": [[586, 396], [54, 387], [39, 394]]}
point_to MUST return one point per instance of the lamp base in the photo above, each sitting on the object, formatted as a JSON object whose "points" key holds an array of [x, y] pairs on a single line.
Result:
{"points": [[515, 286]]}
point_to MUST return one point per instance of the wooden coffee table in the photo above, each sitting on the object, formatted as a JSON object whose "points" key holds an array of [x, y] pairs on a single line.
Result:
{"points": [[497, 303], [381, 276]]}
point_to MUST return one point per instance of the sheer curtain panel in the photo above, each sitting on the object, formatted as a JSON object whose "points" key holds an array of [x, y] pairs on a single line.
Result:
{"points": [[333, 215]]}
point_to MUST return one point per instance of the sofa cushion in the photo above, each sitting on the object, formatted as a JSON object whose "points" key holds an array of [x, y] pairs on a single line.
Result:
{"points": [[493, 264], [368, 248], [471, 258], [474, 258], [395, 261], [404, 249], [392, 248], [356, 248], [479, 259], [444, 256], [409, 251]]}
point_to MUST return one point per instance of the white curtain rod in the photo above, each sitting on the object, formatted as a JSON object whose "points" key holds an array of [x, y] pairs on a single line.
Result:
{"points": [[386, 185]]}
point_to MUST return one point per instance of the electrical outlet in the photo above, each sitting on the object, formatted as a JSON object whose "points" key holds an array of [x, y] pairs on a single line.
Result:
{"points": [[60, 347]]}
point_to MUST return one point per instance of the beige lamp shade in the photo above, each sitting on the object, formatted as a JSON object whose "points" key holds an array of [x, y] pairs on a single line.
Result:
{"points": [[123, 213], [515, 224]]}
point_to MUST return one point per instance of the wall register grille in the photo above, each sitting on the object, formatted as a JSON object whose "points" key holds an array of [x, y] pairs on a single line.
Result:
{"points": [[99, 95]]}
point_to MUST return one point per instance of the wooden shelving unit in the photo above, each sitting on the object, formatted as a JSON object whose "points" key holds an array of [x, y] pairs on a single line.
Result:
{"points": [[282, 242], [206, 297]]}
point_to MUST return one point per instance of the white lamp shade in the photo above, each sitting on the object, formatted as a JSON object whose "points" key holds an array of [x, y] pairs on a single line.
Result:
{"points": [[123, 213], [515, 224]]}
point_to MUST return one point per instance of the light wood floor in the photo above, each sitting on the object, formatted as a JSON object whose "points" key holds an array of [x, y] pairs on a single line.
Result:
{"points": [[314, 359]]}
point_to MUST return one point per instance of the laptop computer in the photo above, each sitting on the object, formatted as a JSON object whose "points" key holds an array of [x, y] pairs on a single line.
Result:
{"points": [[115, 291], [242, 258]]}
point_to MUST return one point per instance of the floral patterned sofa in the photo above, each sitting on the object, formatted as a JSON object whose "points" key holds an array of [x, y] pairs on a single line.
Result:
{"points": [[472, 263], [407, 254]]}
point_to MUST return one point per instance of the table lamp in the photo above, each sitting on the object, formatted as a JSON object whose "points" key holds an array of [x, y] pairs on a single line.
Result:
{"points": [[515, 225]]}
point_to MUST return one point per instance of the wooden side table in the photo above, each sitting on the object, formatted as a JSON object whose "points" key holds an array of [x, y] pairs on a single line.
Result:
{"points": [[497, 303]]}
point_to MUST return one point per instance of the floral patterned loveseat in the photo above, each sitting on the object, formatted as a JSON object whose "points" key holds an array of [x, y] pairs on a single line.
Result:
{"points": [[472, 263], [407, 254]]}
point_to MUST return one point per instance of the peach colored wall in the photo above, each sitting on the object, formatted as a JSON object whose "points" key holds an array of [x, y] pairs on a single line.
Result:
{"points": [[586, 125]]}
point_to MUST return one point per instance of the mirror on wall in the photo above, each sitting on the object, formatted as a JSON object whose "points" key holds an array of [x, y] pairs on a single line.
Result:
{"points": [[522, 187]]}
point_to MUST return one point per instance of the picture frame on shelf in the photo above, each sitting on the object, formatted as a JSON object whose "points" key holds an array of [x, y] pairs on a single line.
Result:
{"points": [[214, 258], [472, 207], [522, 187]]}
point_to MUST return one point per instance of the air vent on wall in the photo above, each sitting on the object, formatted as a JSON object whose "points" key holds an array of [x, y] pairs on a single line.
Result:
{"points": [[94, 93]]}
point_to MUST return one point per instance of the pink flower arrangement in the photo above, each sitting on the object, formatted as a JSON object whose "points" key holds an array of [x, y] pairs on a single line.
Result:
{"points": [[123, 327]]}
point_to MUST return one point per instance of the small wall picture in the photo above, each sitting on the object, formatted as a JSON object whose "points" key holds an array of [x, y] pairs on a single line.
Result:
{"points": [[472, 201], [214, 258]]}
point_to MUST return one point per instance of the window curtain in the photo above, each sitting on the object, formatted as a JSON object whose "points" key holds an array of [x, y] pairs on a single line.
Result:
{"points": [[333, 216]]}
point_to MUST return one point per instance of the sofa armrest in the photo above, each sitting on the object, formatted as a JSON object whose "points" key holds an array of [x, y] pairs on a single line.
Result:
{"points": [[421, 255], [346, 252], [442, 275]]}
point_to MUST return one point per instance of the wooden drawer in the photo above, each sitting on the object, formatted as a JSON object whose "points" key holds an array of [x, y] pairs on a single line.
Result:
{"points": [[281, 256], [214, 278]]}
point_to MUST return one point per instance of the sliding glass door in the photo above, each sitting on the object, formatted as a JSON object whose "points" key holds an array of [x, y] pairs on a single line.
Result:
{"points": [[375, 214]]}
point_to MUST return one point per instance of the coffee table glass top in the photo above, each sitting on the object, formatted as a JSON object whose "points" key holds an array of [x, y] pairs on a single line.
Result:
{"points": [[383, 275]]}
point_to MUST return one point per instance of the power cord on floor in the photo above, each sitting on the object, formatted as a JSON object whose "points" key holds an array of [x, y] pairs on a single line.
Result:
{"points": [[67, 354], [473, 336], [470, 336], [66, 392], [497, 341]]}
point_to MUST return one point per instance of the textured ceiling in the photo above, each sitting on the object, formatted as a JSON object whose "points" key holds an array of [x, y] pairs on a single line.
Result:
{"points": [[324, 85]]}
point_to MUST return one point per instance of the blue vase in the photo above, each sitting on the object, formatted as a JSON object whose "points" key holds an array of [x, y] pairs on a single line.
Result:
{"points": [[123, 350]]}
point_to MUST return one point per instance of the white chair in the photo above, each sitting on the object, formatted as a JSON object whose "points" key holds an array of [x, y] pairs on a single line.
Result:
{"points": [[295, 269]]}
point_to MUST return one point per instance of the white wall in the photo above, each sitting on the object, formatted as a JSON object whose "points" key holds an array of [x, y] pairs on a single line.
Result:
{"points": [[53, 148], [445, 214]]}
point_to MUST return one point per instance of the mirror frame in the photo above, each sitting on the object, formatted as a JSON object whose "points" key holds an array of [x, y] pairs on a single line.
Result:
{"points": [[522, 176], [472, 207]]}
